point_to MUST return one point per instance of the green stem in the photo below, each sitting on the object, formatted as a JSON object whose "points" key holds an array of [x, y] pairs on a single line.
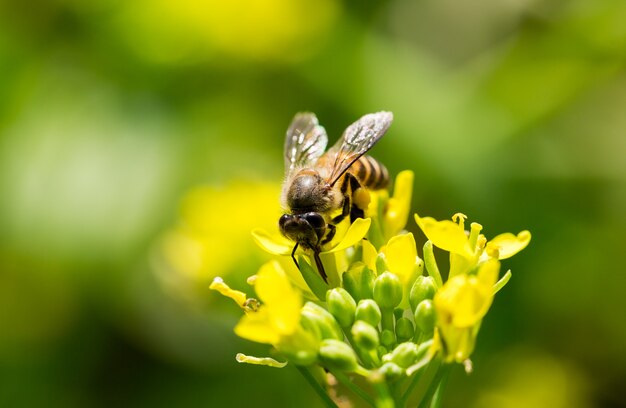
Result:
{"points": [[436, 402], [384, 399], [387, 319], [317, 387], [421, 382], [342, 378], [431, 263], [428, 397]]}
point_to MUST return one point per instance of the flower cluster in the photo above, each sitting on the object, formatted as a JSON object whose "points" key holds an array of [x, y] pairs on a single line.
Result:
{"points": [[387, 326]]}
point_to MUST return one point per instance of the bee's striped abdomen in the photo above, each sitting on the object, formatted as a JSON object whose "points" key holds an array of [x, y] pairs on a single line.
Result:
{"points": [[371, 173]]}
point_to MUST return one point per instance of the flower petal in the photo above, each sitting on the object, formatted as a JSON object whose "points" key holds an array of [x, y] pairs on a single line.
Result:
{"points": [[509, 244], [257, 327], [219, 285], [355, 233], [399, 205], [275, 244], [266, 361], [369, 255], [446, 235], [280, 299], [401, 255]]}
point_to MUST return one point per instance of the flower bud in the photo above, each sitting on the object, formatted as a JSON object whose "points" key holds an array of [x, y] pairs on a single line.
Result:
{"points": [[423, 288], [335, 354], [391, 371], [359, 281], [387, 338], [381, 263], [425, 316], [368, 311], [317, 319], [404, 354], [404, 329], [341, 305], [302, 357], [387, 290], [365, 336]]}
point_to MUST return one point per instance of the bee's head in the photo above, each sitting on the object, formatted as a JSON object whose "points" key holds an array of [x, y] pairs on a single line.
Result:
{"points": [[306, 229]]}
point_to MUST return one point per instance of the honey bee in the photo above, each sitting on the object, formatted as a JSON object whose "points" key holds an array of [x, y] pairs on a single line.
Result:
{"points": [[319, 184]]}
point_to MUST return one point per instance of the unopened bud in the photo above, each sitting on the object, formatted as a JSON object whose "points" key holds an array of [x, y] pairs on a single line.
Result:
{"points": [[425, 316], [381, 263], [387, 338], [359, 281], [404, 354], [341, 305], [423, 288], [365, 336], [391, 371], [387, 290], [404, 329], [335, 354], [368, 311], [326, 325]]}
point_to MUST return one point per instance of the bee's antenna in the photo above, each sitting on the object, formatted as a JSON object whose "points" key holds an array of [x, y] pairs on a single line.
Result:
{"points": [[320, 266]]}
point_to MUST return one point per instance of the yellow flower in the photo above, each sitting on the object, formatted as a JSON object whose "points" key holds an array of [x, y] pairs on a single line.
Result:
{"points": [[460, 304], [279, 314], [273, 30], [186, 254], [275, 319], [390, 214], [468, 251]]}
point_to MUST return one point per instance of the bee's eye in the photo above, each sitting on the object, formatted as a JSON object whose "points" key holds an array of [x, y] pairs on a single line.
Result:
{"points": [[283, 219], [314, 219]]}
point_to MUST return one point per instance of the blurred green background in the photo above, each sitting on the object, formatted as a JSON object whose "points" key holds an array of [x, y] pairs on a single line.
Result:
{"points": [[141, 140]]}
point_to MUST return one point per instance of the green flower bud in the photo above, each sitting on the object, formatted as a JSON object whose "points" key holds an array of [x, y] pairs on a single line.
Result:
{"points": [[404, 354], [404, 329], [423, 288], [381, 263], [391, 371], [387, 290], [341, 305], [365, 336], [335, 354], [425, 316], [368, 311], [302, 357], [387, 338], [313, 315], [359, 281], [398, 313]]}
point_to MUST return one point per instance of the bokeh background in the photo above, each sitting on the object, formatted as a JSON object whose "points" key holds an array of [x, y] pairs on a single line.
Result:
{"points": [[140, 141]]}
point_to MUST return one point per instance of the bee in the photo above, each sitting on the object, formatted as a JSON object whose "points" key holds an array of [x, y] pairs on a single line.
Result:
{"points": [[318, 185]]}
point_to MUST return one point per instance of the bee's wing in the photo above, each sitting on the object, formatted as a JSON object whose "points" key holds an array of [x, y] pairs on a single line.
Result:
{"points": [[358, 138], [305, 142]]}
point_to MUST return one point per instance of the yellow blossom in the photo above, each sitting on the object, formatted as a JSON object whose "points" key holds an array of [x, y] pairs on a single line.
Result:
{"points": [[186, 254], [468, 251], [390, 214], [461, 303], [279, 314]]}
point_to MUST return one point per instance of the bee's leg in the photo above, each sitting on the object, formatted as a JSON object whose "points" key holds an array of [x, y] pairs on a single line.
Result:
{"points": [[320, 266], [345, 211], [331, 234], [355, 211], [293, 255]]}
